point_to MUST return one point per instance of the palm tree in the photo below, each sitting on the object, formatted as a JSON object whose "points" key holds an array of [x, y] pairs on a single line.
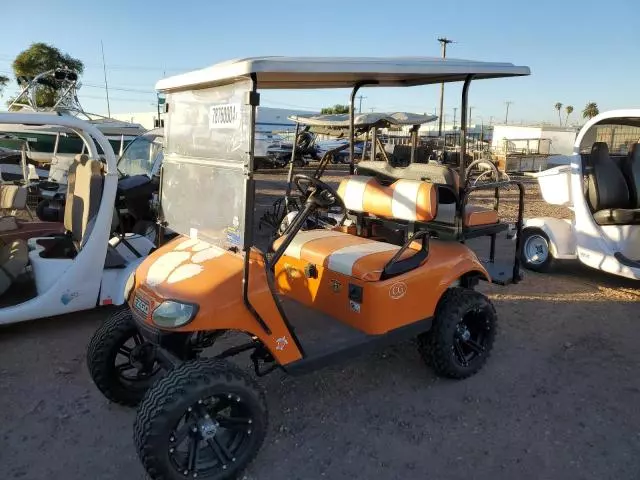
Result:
{"points": [[590, 110], [569, 110], [3, 82], [558, 107]]}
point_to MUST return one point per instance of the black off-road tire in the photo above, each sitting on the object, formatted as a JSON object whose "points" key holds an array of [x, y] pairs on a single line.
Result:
{"points": [[183, 387], [101, 355], [437, 345]]}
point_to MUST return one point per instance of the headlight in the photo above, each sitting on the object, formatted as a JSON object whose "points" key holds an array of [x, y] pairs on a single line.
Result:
{"points": [[170, 314], [131, 281]]}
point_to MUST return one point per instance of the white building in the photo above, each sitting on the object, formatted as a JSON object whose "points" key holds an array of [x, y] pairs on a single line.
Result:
{"points": [[543, 139]]}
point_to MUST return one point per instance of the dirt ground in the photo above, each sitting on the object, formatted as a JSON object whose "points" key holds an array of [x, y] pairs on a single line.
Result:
{"points": [[558, 399]]}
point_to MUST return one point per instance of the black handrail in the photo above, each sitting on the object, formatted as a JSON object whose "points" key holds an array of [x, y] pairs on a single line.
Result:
{"points": [[519, 222], [395, 266]]}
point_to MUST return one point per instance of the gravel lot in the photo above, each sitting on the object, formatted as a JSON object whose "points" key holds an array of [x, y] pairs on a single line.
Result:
{"points": [[559, 398]]}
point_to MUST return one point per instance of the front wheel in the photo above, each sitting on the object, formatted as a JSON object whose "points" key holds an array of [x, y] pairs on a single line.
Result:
{"points": [[121, 363], [206, 419], [536, 252], [462, 334]]}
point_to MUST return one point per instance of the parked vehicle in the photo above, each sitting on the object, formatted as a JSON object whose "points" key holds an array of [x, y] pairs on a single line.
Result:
{"points": [[601, 186], [53, 145], [138, 182], [86, 265], [315, 297]]}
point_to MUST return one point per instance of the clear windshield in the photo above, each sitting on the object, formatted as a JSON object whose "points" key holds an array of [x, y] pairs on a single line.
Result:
{"points": [[140, 156]]}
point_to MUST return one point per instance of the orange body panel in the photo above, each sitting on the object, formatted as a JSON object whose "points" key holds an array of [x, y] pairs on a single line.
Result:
{"points": [[386, 304], [212, 278], [475, 215]]}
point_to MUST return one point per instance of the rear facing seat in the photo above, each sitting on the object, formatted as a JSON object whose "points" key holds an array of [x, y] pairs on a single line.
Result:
{"points": [[359, 193], [608, 192]]}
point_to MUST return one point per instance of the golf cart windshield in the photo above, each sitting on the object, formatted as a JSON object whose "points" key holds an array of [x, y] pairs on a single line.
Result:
{"points": [[206, 167], [140, 155]]}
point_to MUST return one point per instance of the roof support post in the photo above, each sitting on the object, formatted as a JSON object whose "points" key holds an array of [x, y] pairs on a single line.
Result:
{"points": [[290, 174], [352, 129], [463, 129]]}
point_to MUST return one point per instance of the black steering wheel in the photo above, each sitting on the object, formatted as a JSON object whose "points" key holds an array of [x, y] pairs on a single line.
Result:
{"points": [[317, 192]]}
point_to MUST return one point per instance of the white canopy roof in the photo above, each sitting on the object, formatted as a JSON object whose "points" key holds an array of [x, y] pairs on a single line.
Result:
{"points": [[364, 119], [340, 72]]}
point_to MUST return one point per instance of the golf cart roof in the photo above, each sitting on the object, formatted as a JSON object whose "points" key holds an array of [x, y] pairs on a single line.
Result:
{"points": [[340, 72], [377, 119]]}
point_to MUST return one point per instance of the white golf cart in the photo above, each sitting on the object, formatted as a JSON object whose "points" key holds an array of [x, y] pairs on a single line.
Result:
{"points": [[601, 185], [86, 266]]}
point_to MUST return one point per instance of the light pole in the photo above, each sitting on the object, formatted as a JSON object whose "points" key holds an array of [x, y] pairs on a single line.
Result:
{"points": [[506, 116], [444, 41], [360, 97]]}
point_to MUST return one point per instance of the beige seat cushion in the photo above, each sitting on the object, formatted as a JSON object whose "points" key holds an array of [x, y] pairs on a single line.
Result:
{"points": [[84, 191], [14, 257], [13, 197]]}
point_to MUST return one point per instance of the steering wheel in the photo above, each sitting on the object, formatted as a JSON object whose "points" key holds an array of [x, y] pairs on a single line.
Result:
{"points": [[318, 192], [493, 170]]}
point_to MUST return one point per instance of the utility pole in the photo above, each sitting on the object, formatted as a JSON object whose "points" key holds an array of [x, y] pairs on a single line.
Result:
{"points": [[506, 116], [444, 41], [360, 97], [455, 111], [106, 87]]}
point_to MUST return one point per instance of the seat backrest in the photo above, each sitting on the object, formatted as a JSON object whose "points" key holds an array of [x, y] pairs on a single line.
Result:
{"points": [[606, 185], [84, 191], [32, 172], [13, 197], [408, 200], [631, 170]]}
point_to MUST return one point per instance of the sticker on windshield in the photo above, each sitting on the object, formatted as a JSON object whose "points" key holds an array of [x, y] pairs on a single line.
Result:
{"points": [[224, 116]]}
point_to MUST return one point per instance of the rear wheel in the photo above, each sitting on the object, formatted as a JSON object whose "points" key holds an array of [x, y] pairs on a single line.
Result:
{"points": [[121, 363], [536, 252], [462, 335], [206, 419]]}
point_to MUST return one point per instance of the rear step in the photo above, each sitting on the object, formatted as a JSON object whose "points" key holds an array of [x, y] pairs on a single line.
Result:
{"points": [[501, 273], [326, 340]]}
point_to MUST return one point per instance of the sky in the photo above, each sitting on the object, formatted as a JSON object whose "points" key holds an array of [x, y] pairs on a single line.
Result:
{"points": [[578, 50]]}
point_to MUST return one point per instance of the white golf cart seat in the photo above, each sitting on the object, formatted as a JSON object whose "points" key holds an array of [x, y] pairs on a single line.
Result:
{"points": [[607, 190], [359, 257], [49, 255], [84, 190]]}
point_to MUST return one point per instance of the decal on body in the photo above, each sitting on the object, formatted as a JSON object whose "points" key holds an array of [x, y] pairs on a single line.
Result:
{"points": [[397, 290], [182, 263]]}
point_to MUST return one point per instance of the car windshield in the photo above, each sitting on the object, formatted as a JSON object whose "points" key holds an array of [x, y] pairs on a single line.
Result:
{"points": [[140, 155]]}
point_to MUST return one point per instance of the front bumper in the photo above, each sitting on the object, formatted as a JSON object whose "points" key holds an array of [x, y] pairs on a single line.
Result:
{"points": [[178, 343]]}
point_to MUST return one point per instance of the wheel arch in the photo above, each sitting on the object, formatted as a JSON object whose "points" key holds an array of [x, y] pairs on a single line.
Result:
{"points": [[560, 232]]}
